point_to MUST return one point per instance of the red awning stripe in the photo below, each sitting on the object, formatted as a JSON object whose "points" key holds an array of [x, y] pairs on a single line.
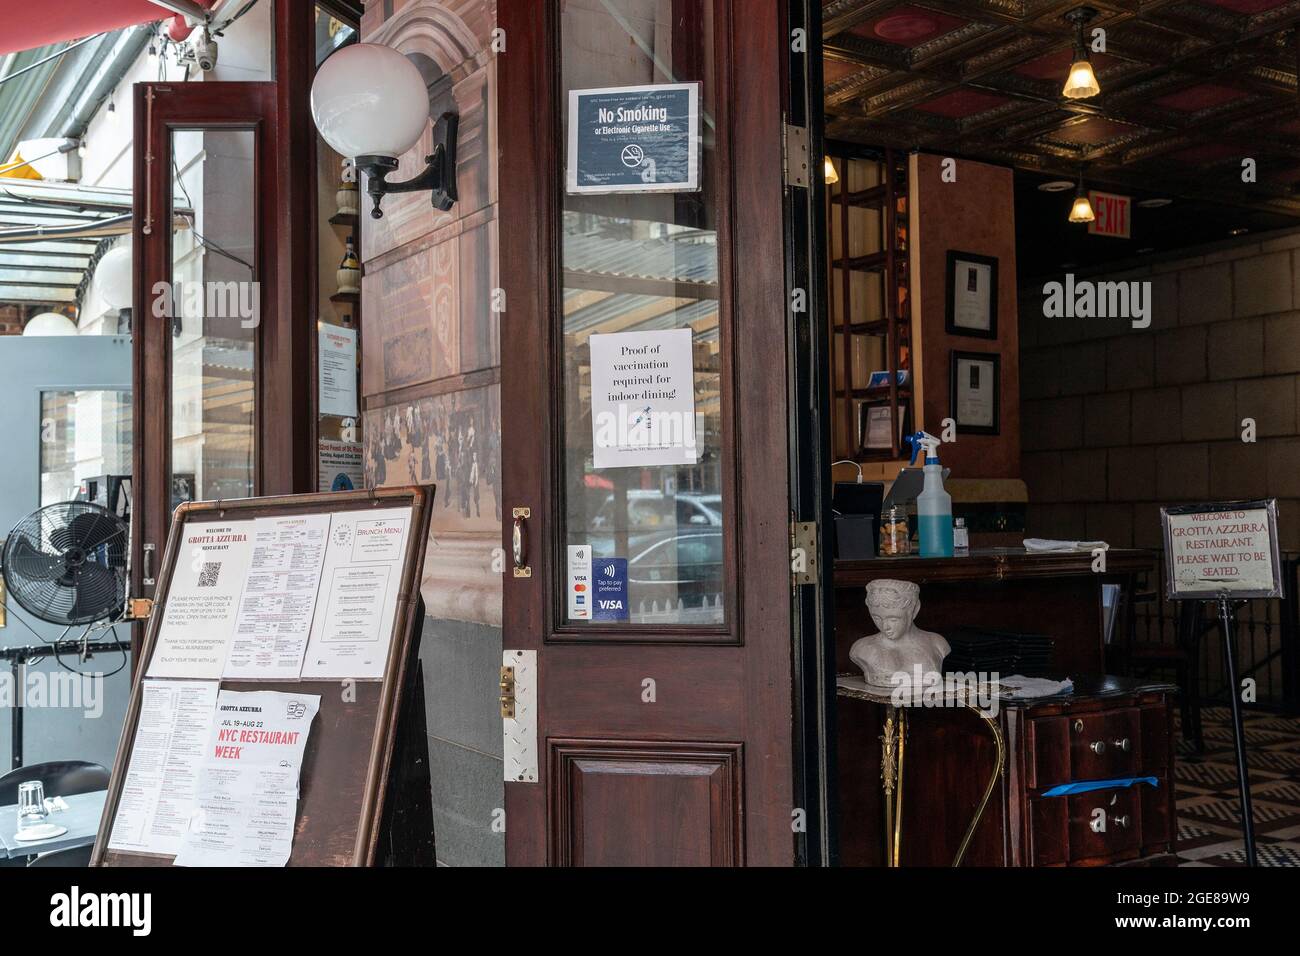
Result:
{"points": [[30, 25]]}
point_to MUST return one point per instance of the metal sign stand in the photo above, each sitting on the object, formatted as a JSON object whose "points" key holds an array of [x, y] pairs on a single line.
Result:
{"points": [[1228, 624]]}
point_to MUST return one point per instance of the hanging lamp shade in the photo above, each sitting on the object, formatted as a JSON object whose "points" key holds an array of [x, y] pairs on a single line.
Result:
{"points": [[1081, 211], [1082, 81], [832, 177]]}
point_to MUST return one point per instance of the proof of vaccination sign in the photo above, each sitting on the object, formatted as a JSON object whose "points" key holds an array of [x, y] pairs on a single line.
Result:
{"points": [[635, 139]]}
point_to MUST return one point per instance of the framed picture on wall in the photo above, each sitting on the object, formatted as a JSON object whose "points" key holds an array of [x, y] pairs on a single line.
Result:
{"points": [[972, 295], [976, 395]]}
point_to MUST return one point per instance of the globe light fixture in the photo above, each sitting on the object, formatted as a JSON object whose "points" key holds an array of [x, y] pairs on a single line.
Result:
{"points": [[370, 104], [49, 323], [1082, 81], [113, 277]]}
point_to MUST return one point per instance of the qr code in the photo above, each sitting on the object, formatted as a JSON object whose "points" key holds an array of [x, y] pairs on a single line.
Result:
{"points": [[208, 575]]}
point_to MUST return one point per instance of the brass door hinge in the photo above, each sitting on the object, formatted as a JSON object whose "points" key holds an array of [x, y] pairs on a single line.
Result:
{"points": [[507, 692], [803, 552], [795, 157]]}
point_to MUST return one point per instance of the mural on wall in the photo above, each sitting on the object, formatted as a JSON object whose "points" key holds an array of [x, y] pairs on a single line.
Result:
{"points": [[452, 441]]}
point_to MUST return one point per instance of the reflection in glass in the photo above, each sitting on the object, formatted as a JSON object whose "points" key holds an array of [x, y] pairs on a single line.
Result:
{"points": [[84, 434], [635, 263], [215, 305]]}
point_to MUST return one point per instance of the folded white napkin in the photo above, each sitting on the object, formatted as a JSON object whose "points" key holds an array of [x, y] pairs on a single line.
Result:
{"points": [[1048, 544], [1019, 687]]}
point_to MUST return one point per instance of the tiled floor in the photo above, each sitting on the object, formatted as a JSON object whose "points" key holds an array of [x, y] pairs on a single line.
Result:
{"points": [[1209, 829]]}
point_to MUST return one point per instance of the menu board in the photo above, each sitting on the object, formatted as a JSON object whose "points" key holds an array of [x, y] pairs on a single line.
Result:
{"points": [[1223, 548], [276, 674]]}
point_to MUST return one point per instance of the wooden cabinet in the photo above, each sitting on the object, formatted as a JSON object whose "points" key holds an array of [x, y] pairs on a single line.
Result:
{"points": [[1109, 728], [1049, 743]]}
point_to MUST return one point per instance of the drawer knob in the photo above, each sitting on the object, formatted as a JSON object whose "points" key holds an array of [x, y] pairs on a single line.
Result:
{"points": [[1121, 821], [1123, 745], [1078, 726], [1098, 747]]}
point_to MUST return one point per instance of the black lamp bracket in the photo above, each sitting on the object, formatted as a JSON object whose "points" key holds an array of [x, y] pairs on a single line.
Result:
{"points": [[438, 175]]}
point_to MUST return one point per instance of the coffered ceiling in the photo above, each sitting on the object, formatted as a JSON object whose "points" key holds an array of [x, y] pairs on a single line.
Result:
{"points": [[1189, 89]]}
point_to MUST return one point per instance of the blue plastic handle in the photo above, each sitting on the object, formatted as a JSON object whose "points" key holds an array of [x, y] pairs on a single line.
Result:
{"points": [[1085, 786]]}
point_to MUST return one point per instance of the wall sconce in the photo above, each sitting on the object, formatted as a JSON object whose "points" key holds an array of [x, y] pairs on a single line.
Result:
{"points": [[1082, 81], [370, 104], [832, 177]]}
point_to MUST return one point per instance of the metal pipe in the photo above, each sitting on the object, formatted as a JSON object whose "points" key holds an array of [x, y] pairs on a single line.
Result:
{"points": [[184, 8], [114, 226]]}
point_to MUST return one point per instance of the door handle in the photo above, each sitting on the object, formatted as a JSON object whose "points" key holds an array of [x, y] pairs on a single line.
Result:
{"points": [[146, 574], [519, 542]]}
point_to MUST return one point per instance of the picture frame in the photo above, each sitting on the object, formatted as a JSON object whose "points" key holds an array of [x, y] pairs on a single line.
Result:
{"points": [[975, 392], [1222, 548], [873, 424], [972, 295]]}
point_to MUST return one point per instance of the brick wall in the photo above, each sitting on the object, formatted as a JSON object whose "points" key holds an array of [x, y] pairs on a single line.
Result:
{"points": [[1118, 421]]}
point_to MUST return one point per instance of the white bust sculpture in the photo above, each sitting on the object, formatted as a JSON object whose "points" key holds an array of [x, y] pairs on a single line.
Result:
{"points": [[900, 646]]}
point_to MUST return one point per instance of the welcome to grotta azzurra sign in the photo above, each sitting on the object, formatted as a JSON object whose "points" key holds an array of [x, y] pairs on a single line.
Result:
{"points": [[635, 139]]}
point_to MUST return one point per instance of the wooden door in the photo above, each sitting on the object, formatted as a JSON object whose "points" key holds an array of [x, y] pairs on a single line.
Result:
{"points": [[204, 316], [665, 738]]}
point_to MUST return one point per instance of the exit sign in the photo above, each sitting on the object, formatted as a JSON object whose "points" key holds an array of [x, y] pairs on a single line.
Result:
{"points": [[1113, 214]]}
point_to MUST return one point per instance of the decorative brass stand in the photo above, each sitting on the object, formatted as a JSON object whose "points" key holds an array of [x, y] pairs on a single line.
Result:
{"points": [[892, 744]]}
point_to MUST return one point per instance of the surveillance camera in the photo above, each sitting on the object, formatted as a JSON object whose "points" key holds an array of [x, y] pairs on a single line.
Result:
{"points": [[205, 53]]}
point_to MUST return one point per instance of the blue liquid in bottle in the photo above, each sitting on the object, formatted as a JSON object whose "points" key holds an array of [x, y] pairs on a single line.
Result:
{"points": [[936, 535]]}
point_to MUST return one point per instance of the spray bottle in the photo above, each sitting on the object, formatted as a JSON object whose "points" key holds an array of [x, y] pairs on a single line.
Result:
{"points": [[933, 504]]}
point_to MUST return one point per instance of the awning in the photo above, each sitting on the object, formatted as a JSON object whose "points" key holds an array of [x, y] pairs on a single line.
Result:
{"points": [[53, 21], [49, 234]]}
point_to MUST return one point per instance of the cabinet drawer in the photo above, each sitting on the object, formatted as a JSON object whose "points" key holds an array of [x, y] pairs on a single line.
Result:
{"points": [[1086, 747], [1098, 825], [1106, 744]]}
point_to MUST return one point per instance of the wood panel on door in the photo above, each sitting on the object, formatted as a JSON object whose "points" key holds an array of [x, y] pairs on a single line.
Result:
{"points": [[667, 738]]}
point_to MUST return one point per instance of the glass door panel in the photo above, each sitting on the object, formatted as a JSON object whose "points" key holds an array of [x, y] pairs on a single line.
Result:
{"points": [[215, 312], [636, 262]]}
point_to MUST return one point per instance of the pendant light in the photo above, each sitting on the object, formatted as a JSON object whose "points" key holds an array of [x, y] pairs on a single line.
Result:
{"points": [[832, 177], [1082, 81], [1081, 211]]}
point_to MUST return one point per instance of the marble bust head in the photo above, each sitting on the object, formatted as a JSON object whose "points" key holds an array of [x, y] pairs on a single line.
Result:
{"points": [[899, 646]]}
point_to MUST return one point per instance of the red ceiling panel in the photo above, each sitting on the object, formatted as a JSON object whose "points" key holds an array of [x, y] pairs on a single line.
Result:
{"points": [[1248, 7], [908, 26], [962, 103], [1207, 153], [1203, 96]]}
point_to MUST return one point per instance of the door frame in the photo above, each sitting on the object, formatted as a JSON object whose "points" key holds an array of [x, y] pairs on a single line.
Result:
{"points": [[810, 470], [752, 255], [284, 374]]}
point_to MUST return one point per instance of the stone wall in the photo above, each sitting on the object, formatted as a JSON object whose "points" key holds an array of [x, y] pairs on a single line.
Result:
{"points": [[431, 386], [1118, 421]]}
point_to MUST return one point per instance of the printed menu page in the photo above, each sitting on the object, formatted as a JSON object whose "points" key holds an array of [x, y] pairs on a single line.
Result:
{"points": [[198, 618], [158, 794], [279, 599], [362, 575], [246, 797]]}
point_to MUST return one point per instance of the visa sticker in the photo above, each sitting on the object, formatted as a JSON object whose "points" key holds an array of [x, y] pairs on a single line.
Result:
{"points": [[579, 582], [609, 589]]}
